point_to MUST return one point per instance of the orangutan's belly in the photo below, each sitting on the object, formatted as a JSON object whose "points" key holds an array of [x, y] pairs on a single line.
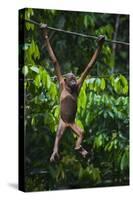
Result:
{"points": [[68, 109]]}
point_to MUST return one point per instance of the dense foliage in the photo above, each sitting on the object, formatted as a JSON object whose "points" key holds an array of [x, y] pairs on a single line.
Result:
{"points": [[103, 103]]}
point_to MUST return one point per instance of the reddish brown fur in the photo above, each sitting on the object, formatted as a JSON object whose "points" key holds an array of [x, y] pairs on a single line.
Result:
{"points": [[69, 89]]}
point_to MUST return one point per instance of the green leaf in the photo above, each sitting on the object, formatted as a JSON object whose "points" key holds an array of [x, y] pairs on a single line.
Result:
{"points": [[105, 114], [53, 91], [98, 142], [33, 46], [82, 99], [57, 111], [124, 80], [44, 77], [102, 84], [91, 80], [86, 21], [79, 123], [37, 52], [110, 114], [48, 81], [33, 121], [97, 84], [42, 97], [35, 69], [125, 89], [25, 70], [32, 26], [112, 79], [37, 81], [30, 10], [117, 85], [90, 83], [124, 160], [27, 26], [26, 46], [124, 83], [109, 146], [80, 172]]}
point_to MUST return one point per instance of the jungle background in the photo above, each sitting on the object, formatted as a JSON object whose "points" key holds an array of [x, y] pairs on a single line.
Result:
{"points": [[103, 103]]}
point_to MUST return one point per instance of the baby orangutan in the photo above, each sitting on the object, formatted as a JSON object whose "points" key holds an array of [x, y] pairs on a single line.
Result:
{"points": [[69, 91]]}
